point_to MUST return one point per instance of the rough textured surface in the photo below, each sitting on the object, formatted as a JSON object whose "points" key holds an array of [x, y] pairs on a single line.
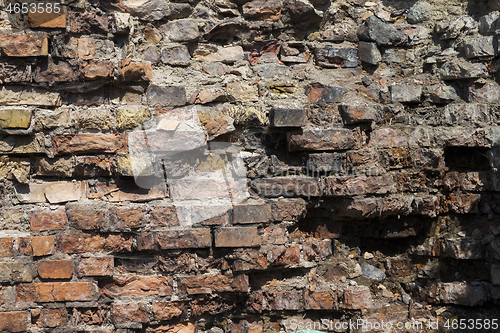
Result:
{"points": [[249, 166]]}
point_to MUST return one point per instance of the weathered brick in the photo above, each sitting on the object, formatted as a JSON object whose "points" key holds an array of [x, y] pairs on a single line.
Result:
{"points": [[335, 57], [129, 313], [185, 327], [387, 137], [208, 283], [283, 300], [6, 247], [251, 213], [359, 113], [54, 70], [357, 297], [23, 45], [134, 71], [316, 251], [58, 192], [130, 117], [331, 139], [93, 70], [248, 325], [89, 143], [54, 292], [406, 93], [19, 95], [49, 317], [288, 117], [168, 310], [175, 239], [137, 286], [37, 246], [274, 234], [287, 209], [286, 187], [369, 53], [21, 144], [13, 321], [347, 185], [237, 237], [87, 219], [319, 300], [47, 20], [88, 23], [121, 218], [462, 294], [319, 93], [80, 243], [249, 259], [263, 9], [55, 269], [93, 166], [164, 216], [398, 267], [462, 248], [43, 220], [15, 118], [166, 95], [239, 92], [15, 272], [96, 266], [282, 255]]}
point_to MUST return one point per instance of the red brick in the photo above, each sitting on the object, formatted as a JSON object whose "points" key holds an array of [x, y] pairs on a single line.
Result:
{"points": [[87, 219], [346, 185], [319, 300], [93, 70], [24, 45], [47, 20], [43, 220], [93, 166], [96, 266], [7, 247], [54, 292], [317, 250], [357, 297], [274, 234], [55, 269], [85, 48], [37, 246], [121, 218], [134, 71], [249, 259], [80, 243], [13, 321], [49, 317], [164, 217], [169, 310], [137, 286], [129, 313], [208, 283], [330, 139], [175, 239], [237, 237], [89, 143]]}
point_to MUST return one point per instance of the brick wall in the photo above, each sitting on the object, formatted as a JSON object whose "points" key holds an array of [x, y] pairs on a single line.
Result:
{"points": [[247, 166]]}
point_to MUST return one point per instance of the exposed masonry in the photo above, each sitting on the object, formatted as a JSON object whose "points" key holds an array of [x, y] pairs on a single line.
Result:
{"points": [[368, 131]]}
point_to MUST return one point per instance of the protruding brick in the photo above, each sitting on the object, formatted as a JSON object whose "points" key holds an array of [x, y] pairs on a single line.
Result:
{"points": [[249, 213], [288, 117], [24, 45], [208, 283], [37, 246], [93, 70], [319, 93], [13, 321], [88, 23], [54, 292], [282, 255], [283, 300], [137, 286], [237, 237], [43, 220], [168, 310], [335, 57], [47, 20], [55, 269], [96, 266], [166, 95], [15, 118], [134, 71]]}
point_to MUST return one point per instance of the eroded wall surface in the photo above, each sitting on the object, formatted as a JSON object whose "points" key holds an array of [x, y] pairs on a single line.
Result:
{"points": [[249, 166]]}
